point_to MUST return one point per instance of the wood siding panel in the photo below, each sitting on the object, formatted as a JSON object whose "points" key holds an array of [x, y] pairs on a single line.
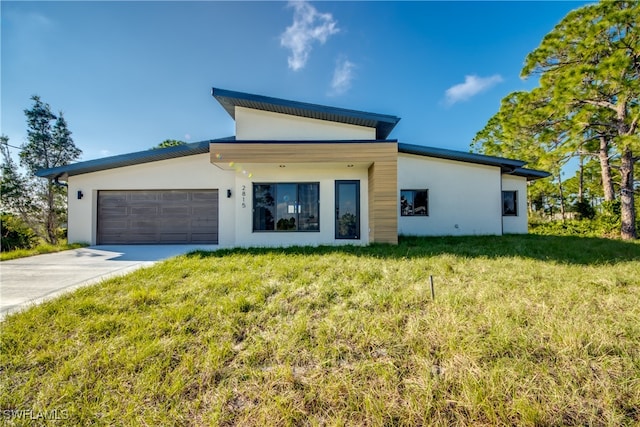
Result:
{"points": [[383, 201], [224, 153]]}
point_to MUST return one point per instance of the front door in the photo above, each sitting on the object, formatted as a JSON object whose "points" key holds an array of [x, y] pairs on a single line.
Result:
{"points": [[348, 209]]}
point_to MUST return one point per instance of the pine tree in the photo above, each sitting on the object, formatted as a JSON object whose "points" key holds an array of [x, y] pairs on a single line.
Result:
{"points": [[589, 69], [46, 148]]}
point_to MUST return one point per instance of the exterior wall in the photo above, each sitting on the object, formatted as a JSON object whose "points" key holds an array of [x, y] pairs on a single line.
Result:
{"points": [[325, 175], [516, 224], [189, 172], [379, 159], [257, 125], [464, 198]]}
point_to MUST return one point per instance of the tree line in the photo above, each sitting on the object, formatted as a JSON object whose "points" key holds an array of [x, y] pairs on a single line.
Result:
{"points": [[586, 106]]}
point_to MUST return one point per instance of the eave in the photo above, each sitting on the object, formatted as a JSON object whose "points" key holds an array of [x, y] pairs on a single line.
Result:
{"points": [[129, 159], [505, 165]]}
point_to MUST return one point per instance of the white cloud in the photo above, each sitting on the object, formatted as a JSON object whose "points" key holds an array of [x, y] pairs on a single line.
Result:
{"points": [[472, 86], [342, 76], [308, 26]]}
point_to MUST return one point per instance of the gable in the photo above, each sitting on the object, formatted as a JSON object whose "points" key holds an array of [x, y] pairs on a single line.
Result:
{"points": [[262, 125]]}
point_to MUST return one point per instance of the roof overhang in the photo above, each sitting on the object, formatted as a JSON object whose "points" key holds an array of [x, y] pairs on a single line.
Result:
{"points": [[130, 159], [505, 165], [530, 174], [383, 123], [229, 155]]}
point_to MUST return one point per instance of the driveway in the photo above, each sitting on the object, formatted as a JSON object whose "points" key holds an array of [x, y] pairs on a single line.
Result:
{"points": [[31, 280]]}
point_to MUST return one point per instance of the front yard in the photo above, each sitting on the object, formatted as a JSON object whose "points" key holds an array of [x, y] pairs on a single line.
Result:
{"points": [[527, 330]]}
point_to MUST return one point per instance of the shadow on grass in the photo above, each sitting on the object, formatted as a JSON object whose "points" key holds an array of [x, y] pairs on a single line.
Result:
{"points": [[561, 249]]}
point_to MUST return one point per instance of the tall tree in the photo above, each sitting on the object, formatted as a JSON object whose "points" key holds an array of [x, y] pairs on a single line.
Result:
{"points": [[590, 63], [15, 188], [587, 101], [48, 147]]}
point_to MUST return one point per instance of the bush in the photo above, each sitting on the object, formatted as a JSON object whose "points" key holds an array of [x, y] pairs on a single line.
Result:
{"points": [[15, 234], [584, 209], [603, 224]]}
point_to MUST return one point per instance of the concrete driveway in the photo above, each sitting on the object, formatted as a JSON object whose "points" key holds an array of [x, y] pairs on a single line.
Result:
{"points": [[31, 280]]}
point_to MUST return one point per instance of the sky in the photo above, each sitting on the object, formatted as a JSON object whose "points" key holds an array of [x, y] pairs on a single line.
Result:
{"points": [[129, 75]]}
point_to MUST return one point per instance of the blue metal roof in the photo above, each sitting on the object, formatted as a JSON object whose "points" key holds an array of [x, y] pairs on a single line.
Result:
{"points": [[129, 159], [383, 123]]}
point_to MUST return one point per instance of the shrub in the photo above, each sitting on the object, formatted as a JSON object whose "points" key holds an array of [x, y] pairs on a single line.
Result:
{"points": [[606, 223], [16, 234], [584, 209]]}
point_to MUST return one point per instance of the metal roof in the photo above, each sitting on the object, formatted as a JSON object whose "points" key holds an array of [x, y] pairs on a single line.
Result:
{"points": [[510, 166], [506, 165], [530, 174], [383, 123], [147, 156]]}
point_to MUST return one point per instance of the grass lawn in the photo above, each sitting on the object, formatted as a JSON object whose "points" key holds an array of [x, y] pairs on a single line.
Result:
{"points": [[43, 248], [524, 330]]}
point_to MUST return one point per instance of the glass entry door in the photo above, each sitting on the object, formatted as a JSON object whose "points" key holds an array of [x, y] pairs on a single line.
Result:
{"points": [[348, 209]]}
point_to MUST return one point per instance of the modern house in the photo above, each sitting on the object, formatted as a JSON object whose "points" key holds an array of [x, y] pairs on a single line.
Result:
{"points": [[293, 174]]}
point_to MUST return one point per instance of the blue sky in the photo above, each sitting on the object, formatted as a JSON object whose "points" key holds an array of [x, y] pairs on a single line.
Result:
{"points": [[128, 75]]}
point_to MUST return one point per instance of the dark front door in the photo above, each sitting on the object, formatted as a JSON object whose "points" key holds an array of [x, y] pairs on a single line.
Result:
{"points": [[348, 209]]}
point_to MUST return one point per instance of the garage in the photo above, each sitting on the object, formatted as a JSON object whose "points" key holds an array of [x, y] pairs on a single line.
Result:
{"points": [[157, 217]]}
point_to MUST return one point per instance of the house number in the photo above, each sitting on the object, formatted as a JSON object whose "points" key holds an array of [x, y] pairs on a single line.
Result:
{"points": [[244, 195]]}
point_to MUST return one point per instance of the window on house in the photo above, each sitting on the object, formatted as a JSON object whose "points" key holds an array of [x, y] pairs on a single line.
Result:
{"points": [[509, 203], [414, 202], [286, 207]]}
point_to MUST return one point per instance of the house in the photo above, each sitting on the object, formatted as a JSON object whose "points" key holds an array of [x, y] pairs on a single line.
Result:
{"points": [[293, 174]]}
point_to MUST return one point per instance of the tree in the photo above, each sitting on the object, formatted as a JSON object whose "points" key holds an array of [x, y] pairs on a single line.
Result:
{"points": [[587, 101], [15, 188], [169, 143], [590, 62], [523, 128], [46, 148]]}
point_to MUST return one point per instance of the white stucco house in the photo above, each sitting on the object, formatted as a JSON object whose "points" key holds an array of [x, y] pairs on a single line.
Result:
{"points": [[293, 174]]}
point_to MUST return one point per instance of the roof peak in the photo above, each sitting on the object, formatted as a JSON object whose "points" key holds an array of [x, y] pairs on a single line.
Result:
{"points": [[383, 123]]}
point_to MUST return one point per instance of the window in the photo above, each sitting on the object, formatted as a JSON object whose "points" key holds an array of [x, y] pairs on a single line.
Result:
{"points": [[509, 203], [286, 207], [414, 202]]}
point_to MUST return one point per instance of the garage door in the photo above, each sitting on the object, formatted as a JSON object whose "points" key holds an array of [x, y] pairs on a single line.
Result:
{"points": [[157, 216]]}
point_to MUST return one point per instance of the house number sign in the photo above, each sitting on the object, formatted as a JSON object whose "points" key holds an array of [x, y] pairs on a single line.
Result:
{"points": [[244, 195]]}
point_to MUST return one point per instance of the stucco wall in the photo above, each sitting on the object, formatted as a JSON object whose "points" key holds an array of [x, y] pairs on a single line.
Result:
{"points": [[190, 172], [464, 198], [265, 125], [516, 224], [326, 175]]}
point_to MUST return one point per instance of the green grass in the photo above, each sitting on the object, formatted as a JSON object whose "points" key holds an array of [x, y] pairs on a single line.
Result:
{"points": [[524, 330], [43, 248]]}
